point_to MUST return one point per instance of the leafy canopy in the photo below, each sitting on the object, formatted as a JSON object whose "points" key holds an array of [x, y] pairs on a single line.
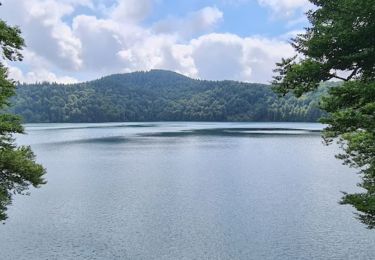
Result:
{"points": [[18, 169], [340, 44]]}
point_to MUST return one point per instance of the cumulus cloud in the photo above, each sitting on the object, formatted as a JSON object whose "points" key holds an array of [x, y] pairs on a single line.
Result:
{"points": [[219, 56], [100, 41], [285, 8], [44, 31], [131, 10], [228, 56], [38, 75], [159, 52], [37, 72], [194, 23]]}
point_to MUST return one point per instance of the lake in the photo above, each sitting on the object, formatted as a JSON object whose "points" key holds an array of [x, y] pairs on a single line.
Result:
{"points": [[185, 191]]}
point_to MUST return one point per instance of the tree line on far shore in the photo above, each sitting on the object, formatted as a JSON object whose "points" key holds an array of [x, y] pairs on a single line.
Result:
{"points": [[160, 95]]}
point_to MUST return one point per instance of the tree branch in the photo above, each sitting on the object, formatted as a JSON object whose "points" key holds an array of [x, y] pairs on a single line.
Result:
{"points": [[354, 72]]}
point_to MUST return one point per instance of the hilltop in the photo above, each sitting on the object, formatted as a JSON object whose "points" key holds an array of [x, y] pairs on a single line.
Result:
{"points": [[159, 95]]}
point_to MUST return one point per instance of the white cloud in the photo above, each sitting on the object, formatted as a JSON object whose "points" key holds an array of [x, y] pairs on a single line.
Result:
{"points": [[37, 72], [39, 75], [159, 52], [261, 55], [44, 31], [194, 23], [219, 56], [228, 56], [131, 10], [285, 8], [100, 41], [291, 35]]}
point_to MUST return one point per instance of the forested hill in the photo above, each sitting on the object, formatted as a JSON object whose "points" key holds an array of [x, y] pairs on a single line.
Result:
{"points": [[159, 96]]}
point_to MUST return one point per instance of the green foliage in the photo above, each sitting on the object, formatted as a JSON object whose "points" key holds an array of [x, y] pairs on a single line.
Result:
{"points": [[351, 118], [160, 96], [18, 169], [341, 38], [10, 42]]}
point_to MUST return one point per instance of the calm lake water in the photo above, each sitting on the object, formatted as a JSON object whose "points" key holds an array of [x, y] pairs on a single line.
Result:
{"points": [[185, 191]]}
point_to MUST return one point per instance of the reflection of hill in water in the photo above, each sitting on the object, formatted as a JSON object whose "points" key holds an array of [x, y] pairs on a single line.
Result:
{"points": [[41, 127], [236, 132], [143, 133]]}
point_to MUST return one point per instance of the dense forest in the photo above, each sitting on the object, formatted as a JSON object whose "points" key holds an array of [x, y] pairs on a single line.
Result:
{"points": [[159, 95]]}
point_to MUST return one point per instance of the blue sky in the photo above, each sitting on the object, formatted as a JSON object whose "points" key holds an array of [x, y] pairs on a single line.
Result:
{"points": [[78, 40], [243, 18]]}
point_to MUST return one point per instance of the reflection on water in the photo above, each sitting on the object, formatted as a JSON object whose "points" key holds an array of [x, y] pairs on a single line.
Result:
{"points": [[237, 132], [185, 190]]}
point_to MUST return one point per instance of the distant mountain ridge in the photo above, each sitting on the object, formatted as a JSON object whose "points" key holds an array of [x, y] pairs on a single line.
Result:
{"points": [[159, 95]]}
